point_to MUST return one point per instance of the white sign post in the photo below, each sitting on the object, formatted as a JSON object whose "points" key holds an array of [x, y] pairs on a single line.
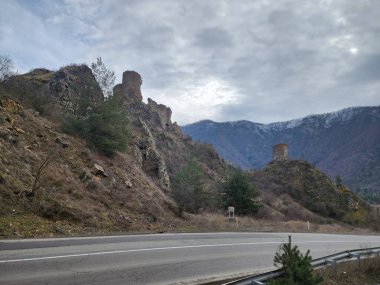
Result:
{"points": [[231, 211]]}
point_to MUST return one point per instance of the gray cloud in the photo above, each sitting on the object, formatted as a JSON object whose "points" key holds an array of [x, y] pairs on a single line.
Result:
{"points": [[365, 69], [213, 38], [223, 60]]}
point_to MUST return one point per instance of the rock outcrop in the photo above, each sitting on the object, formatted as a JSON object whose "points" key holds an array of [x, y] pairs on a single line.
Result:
{"points": [[164, 113], [72, 90], [145, 118], [75, 89], [151, 160], [159, 145]]}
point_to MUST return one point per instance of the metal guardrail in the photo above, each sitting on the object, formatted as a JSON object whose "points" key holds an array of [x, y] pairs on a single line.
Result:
{"points": [[332, 259]]}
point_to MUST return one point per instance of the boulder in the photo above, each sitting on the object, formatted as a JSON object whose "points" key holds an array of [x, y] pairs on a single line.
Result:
{"points": [[62, 143], [99, 171], [128, 183]]}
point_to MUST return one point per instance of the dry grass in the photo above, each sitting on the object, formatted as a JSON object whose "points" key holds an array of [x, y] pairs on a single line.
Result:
{"points": [[220, 222], [349, 273]]}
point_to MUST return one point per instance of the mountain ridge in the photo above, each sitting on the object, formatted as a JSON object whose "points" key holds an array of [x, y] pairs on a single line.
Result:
{"points": [[325, 140], [288, 123]]}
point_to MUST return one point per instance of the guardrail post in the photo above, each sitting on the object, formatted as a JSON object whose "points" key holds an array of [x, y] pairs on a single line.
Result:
{"points": [[333, 263], [357, 255]]}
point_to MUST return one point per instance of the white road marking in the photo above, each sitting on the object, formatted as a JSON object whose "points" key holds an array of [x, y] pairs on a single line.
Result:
{"points": [[166, 248]]}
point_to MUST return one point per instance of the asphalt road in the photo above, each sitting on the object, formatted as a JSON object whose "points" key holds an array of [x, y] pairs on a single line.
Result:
{"points": [[155, 259]]}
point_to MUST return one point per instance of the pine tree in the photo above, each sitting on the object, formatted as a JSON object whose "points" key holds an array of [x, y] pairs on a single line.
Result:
{"points": [[105, 127], [188, 187], [296, 266], [240, 193]]}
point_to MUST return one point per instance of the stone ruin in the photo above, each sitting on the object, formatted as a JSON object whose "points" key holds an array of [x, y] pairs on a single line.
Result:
{"points": [[165, 113], [280, 152], [130, 92], [131, 86]]}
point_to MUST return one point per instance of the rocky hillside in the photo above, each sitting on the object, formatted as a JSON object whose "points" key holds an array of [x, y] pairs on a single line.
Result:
{"points": [[344, 143], [159, 144], [53, 183]]}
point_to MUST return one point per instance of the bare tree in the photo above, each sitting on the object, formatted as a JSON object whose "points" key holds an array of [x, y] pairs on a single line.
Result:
{"points": [[36, 184], [104, 76], [6, 67]]}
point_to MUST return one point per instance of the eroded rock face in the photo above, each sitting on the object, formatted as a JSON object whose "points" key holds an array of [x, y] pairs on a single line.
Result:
{"points": [[75, 89], [147, 119], [69, 91], [151, 160], [164, 113]]}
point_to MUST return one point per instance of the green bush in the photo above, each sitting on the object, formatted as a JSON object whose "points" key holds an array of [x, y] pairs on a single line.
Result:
{"points": [[296, 266], [105, 127], [240, 193], [188, 187]]}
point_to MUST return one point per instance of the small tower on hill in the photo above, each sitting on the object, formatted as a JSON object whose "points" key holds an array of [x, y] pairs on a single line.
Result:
{"points": [[280, 151]]}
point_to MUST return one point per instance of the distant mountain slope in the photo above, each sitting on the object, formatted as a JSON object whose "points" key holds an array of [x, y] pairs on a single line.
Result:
{"points": [[345, 143]]}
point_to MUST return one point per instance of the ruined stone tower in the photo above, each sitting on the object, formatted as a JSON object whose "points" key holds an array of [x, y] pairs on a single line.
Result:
{"points": [[130, 89], [153, 113], [132, 85], [280, 151]]}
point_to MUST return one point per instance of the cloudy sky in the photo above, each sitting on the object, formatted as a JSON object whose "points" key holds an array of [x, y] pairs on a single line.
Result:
{"points": [[258, 60]]}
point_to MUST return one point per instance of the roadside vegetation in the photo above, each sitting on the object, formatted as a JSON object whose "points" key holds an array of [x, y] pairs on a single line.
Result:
{"points": [[296, 266], [240, 193], [191, 192], [349, 273], [189, 189]]}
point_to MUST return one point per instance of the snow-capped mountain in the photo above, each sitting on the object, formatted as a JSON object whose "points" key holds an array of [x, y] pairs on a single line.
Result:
{"points": [[345, 143]]}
